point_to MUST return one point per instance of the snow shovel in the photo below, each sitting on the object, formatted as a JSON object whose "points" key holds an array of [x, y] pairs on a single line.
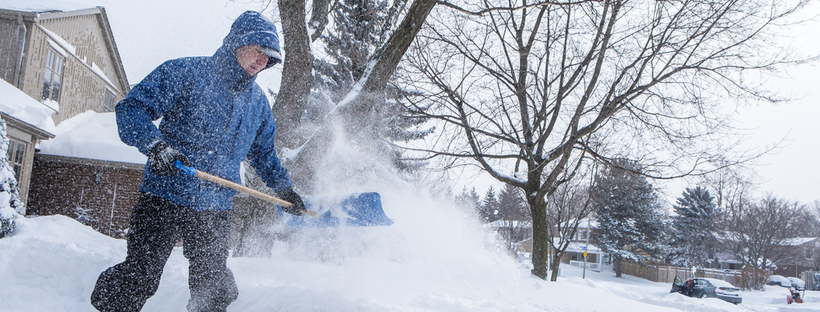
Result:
{"points": [[363, 209]]}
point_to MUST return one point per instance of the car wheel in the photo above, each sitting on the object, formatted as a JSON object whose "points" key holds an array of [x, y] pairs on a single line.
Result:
{"points": [[703, 295]]}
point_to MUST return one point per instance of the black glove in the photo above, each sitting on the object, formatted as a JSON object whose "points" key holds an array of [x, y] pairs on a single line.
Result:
{"points": [[298, 207], [162, 157]]}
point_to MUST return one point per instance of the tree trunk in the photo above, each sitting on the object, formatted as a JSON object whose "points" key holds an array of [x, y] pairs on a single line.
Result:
{"points": [[256, 221], [555, 265], [617, 265], [297, 78], [540, 238], [255, 227]]}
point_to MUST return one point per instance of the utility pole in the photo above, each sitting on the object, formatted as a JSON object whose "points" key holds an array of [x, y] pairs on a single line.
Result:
{"points": [[586, 247]]}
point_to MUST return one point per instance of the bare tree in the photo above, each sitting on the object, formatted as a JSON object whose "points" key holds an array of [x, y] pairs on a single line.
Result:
{"points": [[529, 94], [814, 213], [757, 232], [730, 185], [357, 117], [567, 207]]}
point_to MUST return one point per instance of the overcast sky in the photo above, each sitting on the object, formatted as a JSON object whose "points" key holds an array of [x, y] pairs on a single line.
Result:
{"points": [[148, 32], [793, 171]]}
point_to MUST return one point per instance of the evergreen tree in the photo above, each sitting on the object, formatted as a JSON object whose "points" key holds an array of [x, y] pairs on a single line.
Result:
{"points": [[10, 204], [631, 225], [468, 199], [697, 216], [356, 33], [353, 38], [514, 224], [488, 211], [511, 205]]}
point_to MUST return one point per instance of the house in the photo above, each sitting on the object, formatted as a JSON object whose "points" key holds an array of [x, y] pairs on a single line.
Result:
{"points": [[27, 123], [581, 247], [87, 173], [62, 56], [66, 58], [578, 247], [801, 255]]}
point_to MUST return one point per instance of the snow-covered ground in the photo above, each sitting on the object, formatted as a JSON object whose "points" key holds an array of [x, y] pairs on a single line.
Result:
{"points": [[51, 264]]}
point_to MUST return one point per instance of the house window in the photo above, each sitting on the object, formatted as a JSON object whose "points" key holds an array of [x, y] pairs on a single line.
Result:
{"points": [[15, 155], [108, 102], [53, 76], [582, 234]]}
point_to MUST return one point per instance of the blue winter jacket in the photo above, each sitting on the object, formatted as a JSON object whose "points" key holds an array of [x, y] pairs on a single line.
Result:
{"points": [[213, 112]]}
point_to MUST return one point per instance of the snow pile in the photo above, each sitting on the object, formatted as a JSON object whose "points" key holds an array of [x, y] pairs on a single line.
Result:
{"points": [[433, 258], [91, 135], [51, 264]]}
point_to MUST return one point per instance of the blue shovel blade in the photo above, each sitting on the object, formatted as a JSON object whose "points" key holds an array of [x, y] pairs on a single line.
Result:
{"points": [[364, 209]]}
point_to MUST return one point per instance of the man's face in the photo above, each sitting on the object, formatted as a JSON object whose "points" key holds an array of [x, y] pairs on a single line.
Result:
{"points": [[252, 59]]}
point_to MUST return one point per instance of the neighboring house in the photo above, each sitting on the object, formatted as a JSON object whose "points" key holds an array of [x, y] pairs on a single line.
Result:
{"points": [[574, 255], [87, 173], [801, 255], [582, 243], [27, 123], [66, 59], [512, 232], [726, 260]]}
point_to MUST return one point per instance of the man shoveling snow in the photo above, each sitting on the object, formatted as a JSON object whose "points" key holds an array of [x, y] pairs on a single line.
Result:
{"points": [[214, 116]]}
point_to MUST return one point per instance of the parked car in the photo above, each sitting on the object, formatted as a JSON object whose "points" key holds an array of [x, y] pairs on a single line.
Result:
{"points": [[797, 284], [707, 288], [779, 280]]}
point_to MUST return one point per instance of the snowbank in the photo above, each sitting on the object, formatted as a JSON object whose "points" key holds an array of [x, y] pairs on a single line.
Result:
{"points": [[51, 264]]}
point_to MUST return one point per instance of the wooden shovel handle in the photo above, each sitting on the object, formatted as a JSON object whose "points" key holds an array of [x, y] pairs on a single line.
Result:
{"points": [[244, 189]]}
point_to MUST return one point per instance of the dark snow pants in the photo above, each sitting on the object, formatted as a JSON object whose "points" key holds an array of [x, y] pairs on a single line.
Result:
{"points": [[156, 225]]}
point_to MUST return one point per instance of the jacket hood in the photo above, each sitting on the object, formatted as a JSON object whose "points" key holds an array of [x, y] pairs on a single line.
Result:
{"points": [[253, 28]]}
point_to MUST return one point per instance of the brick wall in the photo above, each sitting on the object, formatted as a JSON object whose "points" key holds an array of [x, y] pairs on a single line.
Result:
{"points": [[98, 193]]}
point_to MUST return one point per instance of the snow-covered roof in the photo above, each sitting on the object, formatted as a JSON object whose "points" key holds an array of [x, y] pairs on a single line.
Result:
{"points": [[726, 257], [91, 135], [502, 223], [579, 247], [585, 223], [797, 241], [42, 6], [17, 104]]}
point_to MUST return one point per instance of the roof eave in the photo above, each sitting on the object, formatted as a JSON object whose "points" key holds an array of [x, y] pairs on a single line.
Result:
{"points": [[61, 14], [27, 127], [112, 47], [27, 16]]}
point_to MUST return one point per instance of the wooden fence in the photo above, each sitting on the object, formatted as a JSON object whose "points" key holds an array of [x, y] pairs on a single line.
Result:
{"points": [[745, 279]]}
